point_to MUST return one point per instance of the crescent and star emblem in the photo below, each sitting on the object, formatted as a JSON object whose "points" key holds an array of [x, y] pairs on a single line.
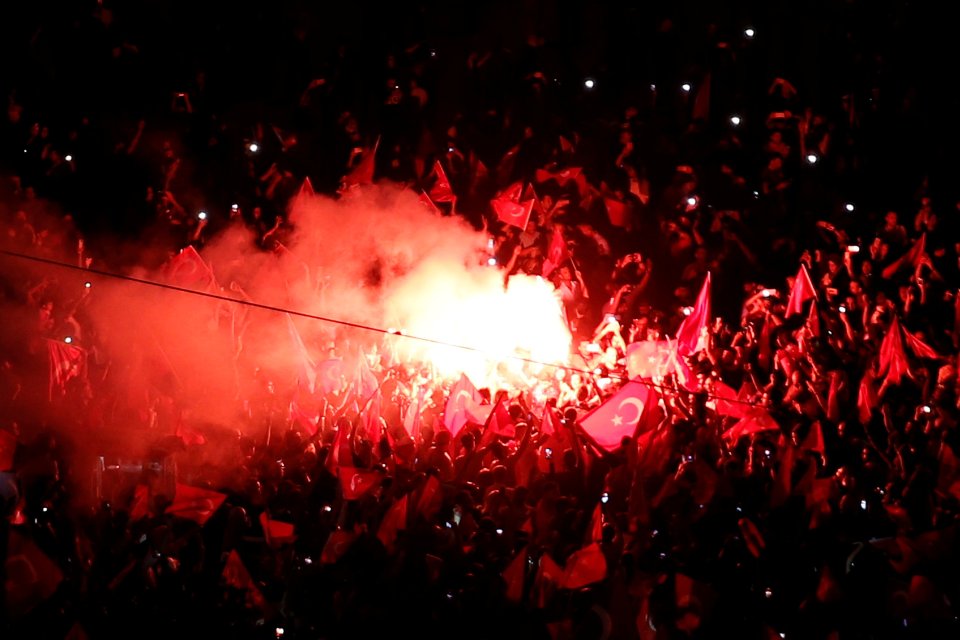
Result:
{"points": [[619, 419]]}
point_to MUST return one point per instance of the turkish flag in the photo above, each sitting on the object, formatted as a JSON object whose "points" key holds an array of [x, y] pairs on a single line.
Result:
{"points": [[500, 422], [515, 575], [356, 483], [235, 575], [558, 440], [441, 191], [586, 566], [756, 421], [330, 375], [337, 544], [277, 533], [867, 397], [362, 174], [188, 270], [691, 336], [562, 177], [801, 291], [920, 348], [394, 520], [911, 258], [893, 358], [431, 498], [140, 504], [650, 359], [557, 252], [307, 370], [193, 503], [618, 416], [617, 212], [463, 406], [66, 363], [513, 213], [301, 418]]}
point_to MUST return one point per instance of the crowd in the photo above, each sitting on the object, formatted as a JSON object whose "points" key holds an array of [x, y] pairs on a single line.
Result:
{"points": [[794, 474]]}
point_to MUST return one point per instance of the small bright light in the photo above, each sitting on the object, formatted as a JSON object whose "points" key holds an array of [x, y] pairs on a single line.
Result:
{"points": [[589, 83], [235, 207], [766, 293], [491, 262], [87, 284], [68, 340], [450, 149], [692, 201], [686, 311], [24, 150], [812, 158], [863, 505], [597, 371], [926, 408], [605, 498], [686, 87], [279, 632], [308, 560], [842, 309], [499, 532], [327, 508], [653, 87], [202, 215], [768, 592], [749, 32], [849, 207], [756, 194], [735, 121], [853, 248], [68, 158], [253, 147], [45, 509]]}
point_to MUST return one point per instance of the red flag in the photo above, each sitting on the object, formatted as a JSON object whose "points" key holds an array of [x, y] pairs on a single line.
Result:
{"points": [[193, 503], [562, 177], [617, 212], [814, 441], [235, 575], [394, 520], [549, 577], [867, 399], [514, 575], [330, 375], [67, 362], [463, 405], [8, 447], [277, 533], [356, 483], [337, 545], [893, 359], [833, 395], [412, 418], [500, 422], [565, 145], [305, 194], [728, 402], [557, 252], [306, 369], [529, 193], [801, 291], [920, 348], [586, 566], [140, 504], [558, 441], [618, 416], [32, 576], [428, 203], [441, 191], [341, 453], [512, 213], [362, 174], [431, 498], [691, 336], [911, 258], [188, 270], [757, 421], [813, 320], [752, 537], [649, 359], [189, 435]]}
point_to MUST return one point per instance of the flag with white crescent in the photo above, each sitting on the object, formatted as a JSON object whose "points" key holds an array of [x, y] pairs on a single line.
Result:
{"points": [[618, 417]]}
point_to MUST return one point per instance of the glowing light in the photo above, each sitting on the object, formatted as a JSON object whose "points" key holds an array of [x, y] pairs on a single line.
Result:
{"points": [[491, 262], [842, 309], [202, 215], [499, 532], [849, 207], [653, 87], [68, 340], [853, 248], [735, 121], [863, 505], [686, 311], [766, 293], [235, 207], [749, 32], [692, 201], [926, 408], [768, 592], [812, 158], [253, 147], [474, 310], [327, 508], [279, 632], [685, 87], [87, 284], [68, 158], [589, 83]]}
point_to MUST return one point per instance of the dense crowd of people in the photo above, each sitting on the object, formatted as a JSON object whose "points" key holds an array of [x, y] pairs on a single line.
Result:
{"points": [[796, 472]]}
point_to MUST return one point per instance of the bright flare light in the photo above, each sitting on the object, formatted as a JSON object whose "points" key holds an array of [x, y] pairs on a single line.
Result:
{"points": [[749, 32], [735, 121], [589, 83], [686, 87], [473, 310], [812, 158], [254, 147], [849, 207]]}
